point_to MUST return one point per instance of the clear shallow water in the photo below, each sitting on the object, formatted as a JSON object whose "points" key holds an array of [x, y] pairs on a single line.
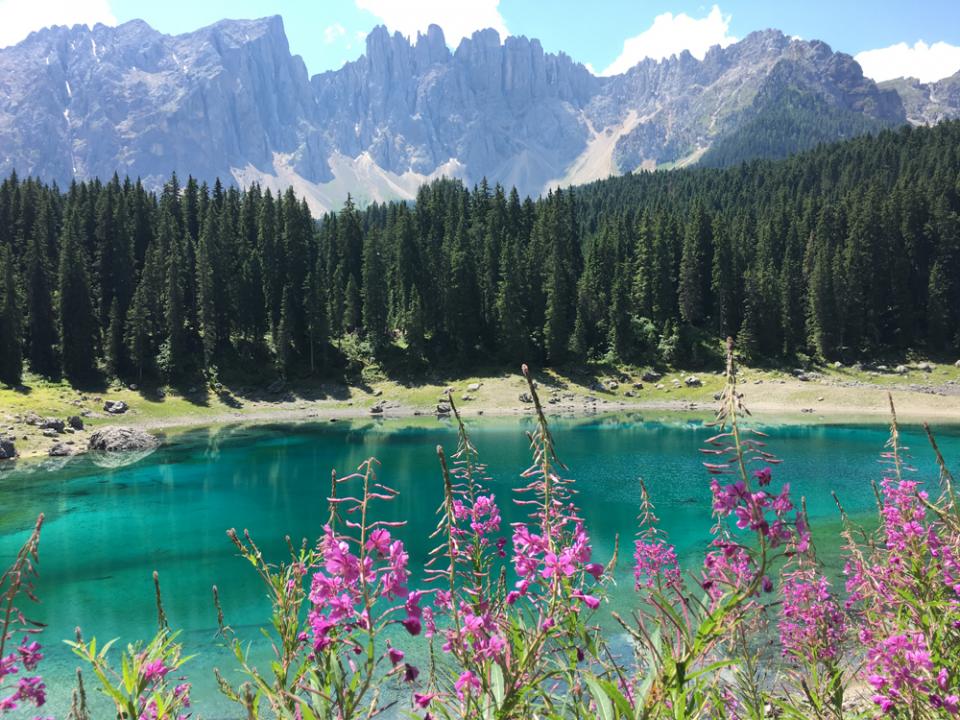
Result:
{"points": [[107, 529]]}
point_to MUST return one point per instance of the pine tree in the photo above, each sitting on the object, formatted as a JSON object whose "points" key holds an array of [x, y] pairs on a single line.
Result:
{"points": [[11, 322], [374, 292], [694, 263], [561, 271], [76, 317], [137, 331], [41, 320], [316, 315], [207, 289], [115, 348], [176, 347]]}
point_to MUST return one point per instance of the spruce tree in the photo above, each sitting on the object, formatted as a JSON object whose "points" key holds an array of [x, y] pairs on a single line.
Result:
{"points": [[76, 318], [114, 346], [207, 289], [374, 291], [11, 322], [176, 346], [695, 262], [42, 334]]}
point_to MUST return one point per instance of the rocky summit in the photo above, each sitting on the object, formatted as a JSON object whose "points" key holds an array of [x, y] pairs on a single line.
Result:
{"points": [[231, 101]]}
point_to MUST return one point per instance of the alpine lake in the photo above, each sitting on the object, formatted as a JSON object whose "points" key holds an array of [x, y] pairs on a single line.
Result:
{"points": [[111, 522]]}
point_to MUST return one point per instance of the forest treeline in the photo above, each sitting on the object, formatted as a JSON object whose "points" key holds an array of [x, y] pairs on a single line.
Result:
{"points": [[844, 251]]}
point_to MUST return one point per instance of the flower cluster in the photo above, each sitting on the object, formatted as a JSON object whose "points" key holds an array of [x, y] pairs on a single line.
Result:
{"points": [[903, 588], [29, 689], [17, 581], [812, 623], [342, 592]]}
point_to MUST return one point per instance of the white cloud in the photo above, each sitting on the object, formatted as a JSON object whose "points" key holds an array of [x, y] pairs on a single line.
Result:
{"points": [[18, 18], [670, 34], [333, 33], [458, 18], [928, 63]]}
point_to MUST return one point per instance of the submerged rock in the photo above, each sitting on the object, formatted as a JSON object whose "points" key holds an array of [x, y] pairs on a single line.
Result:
{"points": [[120, 439]]}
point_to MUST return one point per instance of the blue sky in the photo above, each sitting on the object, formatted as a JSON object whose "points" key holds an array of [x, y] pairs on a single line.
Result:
{"points": [[916, 38]]}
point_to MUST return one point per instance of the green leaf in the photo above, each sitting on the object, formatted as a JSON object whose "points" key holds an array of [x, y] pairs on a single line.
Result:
{"points": [[604, 706], [496, 684]]}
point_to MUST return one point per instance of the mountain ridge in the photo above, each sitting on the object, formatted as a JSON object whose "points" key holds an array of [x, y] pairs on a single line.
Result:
{"points": [[231, 100]]}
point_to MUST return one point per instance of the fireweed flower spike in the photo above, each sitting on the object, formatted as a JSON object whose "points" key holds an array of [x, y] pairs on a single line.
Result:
{"points": [[332, 604], [903, 589], [19, 687], [510, 647], [149, 685], [685, 640]]}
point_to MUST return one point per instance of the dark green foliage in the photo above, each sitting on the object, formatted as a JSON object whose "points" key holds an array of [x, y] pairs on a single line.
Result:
{"points": [[79, 328], [848, 250], [11, 331]]}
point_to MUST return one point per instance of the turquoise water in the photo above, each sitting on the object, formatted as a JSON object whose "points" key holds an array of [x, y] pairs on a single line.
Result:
{"points": [[107, 529]]}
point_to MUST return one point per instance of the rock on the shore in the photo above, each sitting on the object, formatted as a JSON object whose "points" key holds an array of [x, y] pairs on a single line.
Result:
{"points": [[115, 407], [60, 450], [8, 450], [693, 381], [474, 387], [76, 422], [52, 424], [525, 398], [120, 439]]}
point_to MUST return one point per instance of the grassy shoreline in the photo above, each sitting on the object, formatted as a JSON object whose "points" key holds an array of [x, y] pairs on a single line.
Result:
{"points": [[833, 395]]}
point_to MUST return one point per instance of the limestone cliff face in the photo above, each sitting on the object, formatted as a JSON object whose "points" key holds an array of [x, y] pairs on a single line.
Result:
{"points": [[231, 101], [928, 103]]}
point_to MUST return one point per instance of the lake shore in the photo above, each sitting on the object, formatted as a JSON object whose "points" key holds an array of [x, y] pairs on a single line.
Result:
{"points": [[836, 395]]}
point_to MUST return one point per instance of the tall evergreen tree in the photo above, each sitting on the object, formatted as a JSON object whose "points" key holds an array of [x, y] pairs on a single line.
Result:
{"points": [[374, 291], [11, 322], [77, 320], [42, 333]]}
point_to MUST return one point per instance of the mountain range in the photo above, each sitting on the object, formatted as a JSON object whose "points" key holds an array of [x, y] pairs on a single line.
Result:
{"points": [[231, 101]]}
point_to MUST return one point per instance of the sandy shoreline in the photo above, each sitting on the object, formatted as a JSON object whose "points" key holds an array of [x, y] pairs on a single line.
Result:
{"points": [[772, 398]]}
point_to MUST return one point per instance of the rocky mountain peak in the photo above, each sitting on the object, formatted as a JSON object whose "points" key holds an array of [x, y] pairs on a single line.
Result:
{"points": [[230, 100]]}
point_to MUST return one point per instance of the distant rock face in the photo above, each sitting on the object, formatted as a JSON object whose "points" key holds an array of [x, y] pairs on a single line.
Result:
{"points": [[928, 103], [231, 101]]}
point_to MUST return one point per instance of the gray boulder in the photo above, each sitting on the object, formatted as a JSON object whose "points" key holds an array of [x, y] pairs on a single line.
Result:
{"points": [[52, 424], [120, 439], [651, 376], [76, 422], [60, 450], [525, 397], [115, 407], [693, 381], [8, 450]]}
